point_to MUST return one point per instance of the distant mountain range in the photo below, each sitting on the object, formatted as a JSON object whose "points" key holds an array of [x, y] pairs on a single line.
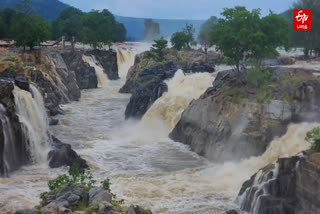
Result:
{"points": [[50, 10]]}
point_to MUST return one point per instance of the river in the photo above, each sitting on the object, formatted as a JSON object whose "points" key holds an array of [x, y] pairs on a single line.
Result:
{"points": [[145, 167]]}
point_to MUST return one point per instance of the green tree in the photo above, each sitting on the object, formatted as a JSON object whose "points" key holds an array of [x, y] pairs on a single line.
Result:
{"points": [[242, 35], [204, 35], [151, 30], [313, 137], [189, 31], [158, 48], [120, 32], [29, 30], [97, 29], [179, 40], [6, 15]]}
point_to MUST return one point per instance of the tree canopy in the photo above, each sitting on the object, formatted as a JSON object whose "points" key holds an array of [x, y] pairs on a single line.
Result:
{"points": [[243, 34], [184, 38], [157, 49]]}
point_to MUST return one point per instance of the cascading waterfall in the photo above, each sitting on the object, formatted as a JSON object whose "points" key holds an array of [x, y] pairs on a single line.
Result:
{"points": [[182, 89], [10, 156], [102, 77], [34, 122], [125, 59]]}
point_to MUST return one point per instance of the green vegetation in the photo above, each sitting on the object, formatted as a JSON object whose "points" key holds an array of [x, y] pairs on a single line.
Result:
{"points": [[258, 77], [313, 137], [22, 25], [157, 49], [243, 35], [151, 30], [27, 29], [184, 39]]}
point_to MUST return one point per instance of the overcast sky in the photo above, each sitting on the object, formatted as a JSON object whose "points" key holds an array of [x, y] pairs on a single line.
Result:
{"points": [[177, 9]]}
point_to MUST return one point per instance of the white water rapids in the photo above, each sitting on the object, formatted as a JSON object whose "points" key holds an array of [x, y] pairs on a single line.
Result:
{"points": [[145, 167]]}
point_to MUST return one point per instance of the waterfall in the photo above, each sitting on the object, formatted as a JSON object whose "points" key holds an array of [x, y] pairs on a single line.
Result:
{"points": [[102, 77], [125, 59], [182, 89], [34, 122], [10, 156]]}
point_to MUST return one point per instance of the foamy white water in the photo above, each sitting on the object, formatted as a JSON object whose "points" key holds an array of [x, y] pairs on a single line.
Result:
{"points": [[145, 167]]}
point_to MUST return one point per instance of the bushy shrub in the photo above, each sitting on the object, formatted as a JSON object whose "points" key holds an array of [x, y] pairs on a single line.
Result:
{"points": [[258, 76], [75, 176], [313, 137]]}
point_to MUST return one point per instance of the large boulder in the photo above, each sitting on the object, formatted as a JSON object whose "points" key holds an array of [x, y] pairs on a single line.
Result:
{"points": [[234, 120], [289, 186], [108, 61], [22, 82], [63, 155], [85, 74]]}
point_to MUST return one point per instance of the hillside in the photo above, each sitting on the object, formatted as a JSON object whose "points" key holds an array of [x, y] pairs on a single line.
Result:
{"points": [[49, 9]]}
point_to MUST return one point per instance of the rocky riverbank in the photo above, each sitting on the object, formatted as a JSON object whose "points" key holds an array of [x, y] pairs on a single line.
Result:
{"points": [[146, 78]]}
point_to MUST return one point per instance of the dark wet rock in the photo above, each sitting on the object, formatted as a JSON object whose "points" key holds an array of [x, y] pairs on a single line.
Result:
{"points": [[138, 210], [279, 61], [53, 122], [22, 82], [108, 61], [228, 122], [149, 88], [231, 212], [191, 62], [85, 74], [27, 211], [63, 155]]}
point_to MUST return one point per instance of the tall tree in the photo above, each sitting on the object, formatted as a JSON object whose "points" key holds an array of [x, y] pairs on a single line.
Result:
{"points": [[189, 31], [7, 15], [242, 34], [157, 49], [179, 40], [151, 30], [28, 29], [97, 29]]}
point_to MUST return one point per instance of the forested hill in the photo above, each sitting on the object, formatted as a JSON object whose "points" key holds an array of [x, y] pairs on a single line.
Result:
{"points": [[135, 26], [48, 9]]}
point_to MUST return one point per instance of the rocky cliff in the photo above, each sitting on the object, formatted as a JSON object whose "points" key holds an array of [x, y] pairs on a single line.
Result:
{"points": [[289, 186], [240, 115], [145, 79], [59, 76]]}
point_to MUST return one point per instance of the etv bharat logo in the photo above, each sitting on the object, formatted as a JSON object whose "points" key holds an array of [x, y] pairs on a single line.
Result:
{"points": [[302, 20]]}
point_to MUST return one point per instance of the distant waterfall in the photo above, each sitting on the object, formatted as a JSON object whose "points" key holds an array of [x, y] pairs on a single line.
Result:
{"points": [[10, 159], [102, 77], [125, 59], [34, 122]]}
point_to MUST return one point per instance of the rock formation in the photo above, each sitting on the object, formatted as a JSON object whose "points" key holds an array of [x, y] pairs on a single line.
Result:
{"points": [[236, 119]]}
